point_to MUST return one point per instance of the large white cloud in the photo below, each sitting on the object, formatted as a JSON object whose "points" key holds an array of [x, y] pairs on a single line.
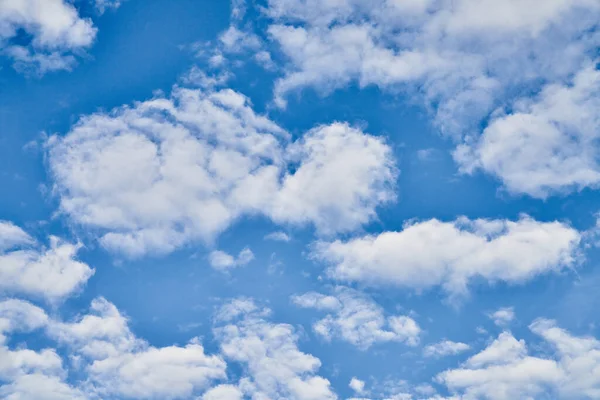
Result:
{"points": [[463, 52], [26, 267], [452, 254], [155, 176], [469, 60], [119, 364], [545, 145], [357, 319], [274, 366], [57, 33], [506, 369], [24, 373]]}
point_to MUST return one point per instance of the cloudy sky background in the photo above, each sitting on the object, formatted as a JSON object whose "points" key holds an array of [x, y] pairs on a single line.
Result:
{"points": [[299, 199]]}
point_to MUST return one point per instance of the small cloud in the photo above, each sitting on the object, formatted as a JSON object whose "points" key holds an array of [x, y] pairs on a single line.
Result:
{"points": [[503, 316], [357, 385], [426, 154], [481, 330], [189, 326], [222, 261], [263, 58], [197, 77], [445, 348], [278, 236]]}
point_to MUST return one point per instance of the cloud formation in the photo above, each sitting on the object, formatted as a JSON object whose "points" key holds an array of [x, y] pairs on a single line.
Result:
{"points": [[274, 366], [354, 317], [452, 254], [26, 267], [473, 64], [56, 29], [168, 171], [505, 369]]}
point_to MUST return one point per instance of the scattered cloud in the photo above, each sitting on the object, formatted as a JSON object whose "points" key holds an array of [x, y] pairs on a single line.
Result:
{"points": [[278, 236], [357, 385], [222, 261], [503, 316], [445, 348], [470, 62], [505, 369], [26, 267], [57, 33], [545, 145], [273, 365], [355, 318]]}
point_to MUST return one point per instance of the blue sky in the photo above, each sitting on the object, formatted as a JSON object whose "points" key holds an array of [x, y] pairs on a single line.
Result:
{"points": [[299, 199]]}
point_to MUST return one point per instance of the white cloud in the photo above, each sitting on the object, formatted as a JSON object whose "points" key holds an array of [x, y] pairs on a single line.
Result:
{"points": [[357, 319], [51, 273], [196, 77], [223, 392], [40, 386], [166, 372], [506, 369], [503, 316], [19, 315], [357, 385], [103, 5], [465, 59], [452, 254], [57, 32], [166, 172], [119, 364], [278, 236], [273, 365], [222, 261], [458, 53], [25, 373], [342, 175], [445, 348], [545, 145]]}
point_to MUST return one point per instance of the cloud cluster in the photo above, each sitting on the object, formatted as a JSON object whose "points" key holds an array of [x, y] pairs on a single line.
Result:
{"points": [[545, 145], [452, 254], [152, 177], [355, 318], [118, 364], [274, 366], [56, 30], [470, 61], [50, 273], [107, 360], [505, 369]]}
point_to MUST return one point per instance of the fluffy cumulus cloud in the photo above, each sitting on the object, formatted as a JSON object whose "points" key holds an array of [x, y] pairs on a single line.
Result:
{"points": [[222, 261], [468, 60], [56, 30], [274, 367], [154, 176], [26, 267], [25, 373], [503, 316], [544, 145], [118, 364], [506, 369], [452, 254], [355, 318]]}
